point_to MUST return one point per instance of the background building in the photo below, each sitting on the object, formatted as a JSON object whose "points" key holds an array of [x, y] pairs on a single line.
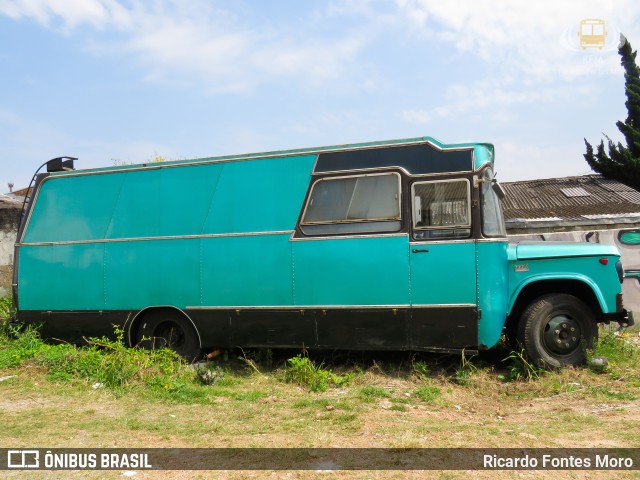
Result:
{"points": [[587, 208], [9, 211]]}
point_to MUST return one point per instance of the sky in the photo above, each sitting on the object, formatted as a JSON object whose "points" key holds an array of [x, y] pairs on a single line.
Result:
{"points": [[112, 81]]}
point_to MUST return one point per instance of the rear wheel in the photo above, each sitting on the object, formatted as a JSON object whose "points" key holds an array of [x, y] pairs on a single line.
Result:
{"points": [[169, 329], [556, 330]]}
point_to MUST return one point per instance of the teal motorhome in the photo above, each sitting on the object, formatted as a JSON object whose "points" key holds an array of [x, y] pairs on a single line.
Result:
{"points": [[396, 245]]}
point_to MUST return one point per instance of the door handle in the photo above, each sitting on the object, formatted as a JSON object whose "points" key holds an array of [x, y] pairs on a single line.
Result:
{"points": [[420, 250]]}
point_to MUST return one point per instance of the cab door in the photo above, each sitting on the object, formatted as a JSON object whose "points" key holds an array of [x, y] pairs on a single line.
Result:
{"points": [[442, 253]]}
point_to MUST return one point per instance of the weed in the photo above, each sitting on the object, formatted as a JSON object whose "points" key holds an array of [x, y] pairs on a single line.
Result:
{"points": [[19, 346], [344, 419], [421, 369], [371, 393], [465, 370], [302, 371], [311, 403], [398, 408], [519, 368], [614, 347], [603, 391], [250, 396], [405, 398], [249, 363], [427, 393], [105, 361], [176, 389], [6, 307]]}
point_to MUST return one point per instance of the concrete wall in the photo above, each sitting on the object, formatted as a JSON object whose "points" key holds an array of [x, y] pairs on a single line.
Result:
{"points": [[9, 211]]}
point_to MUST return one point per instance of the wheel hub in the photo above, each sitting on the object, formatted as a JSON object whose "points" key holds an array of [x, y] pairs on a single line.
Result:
{"points": [[562, 334]]}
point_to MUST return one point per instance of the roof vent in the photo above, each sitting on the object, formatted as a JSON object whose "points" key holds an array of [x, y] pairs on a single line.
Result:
{"points": [[575, 192]]}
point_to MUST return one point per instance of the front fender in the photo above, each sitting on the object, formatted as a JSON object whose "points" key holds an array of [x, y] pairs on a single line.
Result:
{"points": [[558, 277]]}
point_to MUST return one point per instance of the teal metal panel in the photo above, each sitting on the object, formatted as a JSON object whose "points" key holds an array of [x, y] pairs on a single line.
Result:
{"points": [[492, 290], [602, 279], [445, 274], [483, 154], [247, 270], [539, 250], [139, 274], [145, 203], [163, 202], [351, 271], [61, 277], [264, 195], [73, 208]]}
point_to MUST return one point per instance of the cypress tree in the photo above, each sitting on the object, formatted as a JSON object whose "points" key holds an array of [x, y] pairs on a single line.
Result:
{"points": [[622, 163]]}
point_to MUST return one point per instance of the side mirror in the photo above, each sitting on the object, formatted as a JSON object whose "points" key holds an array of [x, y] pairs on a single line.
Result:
{"points": [[497, 188]]}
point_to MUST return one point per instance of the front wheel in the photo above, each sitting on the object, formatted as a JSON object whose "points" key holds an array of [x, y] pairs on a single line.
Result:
{"points": [[168, 329], [556, 330]]}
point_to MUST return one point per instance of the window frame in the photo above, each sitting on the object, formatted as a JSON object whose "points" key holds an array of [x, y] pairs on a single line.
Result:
{"points": [[416, 228], [302, 223]]}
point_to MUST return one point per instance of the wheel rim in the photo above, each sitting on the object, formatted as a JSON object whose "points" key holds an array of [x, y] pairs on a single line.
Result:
{"points": [[172, 334], [562, 334]]}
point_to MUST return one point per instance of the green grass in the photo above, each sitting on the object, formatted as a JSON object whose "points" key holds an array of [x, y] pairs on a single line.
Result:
{"points": [[6, 306], [110, 364], [304, 372], [519, 367], [371, 393], [615, 347], [265, 398], [102, 361], [427, 393]]}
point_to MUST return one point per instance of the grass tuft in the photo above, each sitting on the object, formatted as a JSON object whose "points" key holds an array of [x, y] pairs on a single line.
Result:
{"points": [[427, 393], [370, 392], [519, 368], [304, 372]]}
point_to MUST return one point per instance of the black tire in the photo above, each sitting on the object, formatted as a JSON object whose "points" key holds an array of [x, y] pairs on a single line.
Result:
{"points": [[556, 330], [169, 329]]}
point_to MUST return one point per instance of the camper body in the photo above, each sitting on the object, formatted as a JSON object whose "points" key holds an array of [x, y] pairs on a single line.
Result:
{"points": [[396, 245]]}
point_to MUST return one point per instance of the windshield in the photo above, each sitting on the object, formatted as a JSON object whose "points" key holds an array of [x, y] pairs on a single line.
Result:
{"points": [[492, 219]]}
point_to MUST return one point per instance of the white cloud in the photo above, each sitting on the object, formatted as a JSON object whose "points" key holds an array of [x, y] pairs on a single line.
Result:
{"points": [[489, 98], [201, 42], [530, 51], [538, 39], [72, 13]]}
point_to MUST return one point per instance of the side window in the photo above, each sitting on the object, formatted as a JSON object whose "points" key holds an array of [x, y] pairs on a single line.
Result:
{"points": [[492, 219], [441, 209], [356, 204]]}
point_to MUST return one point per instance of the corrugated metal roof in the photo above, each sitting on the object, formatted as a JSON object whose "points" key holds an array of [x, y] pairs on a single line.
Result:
{"points": [[537, 199], [575, 192]]}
